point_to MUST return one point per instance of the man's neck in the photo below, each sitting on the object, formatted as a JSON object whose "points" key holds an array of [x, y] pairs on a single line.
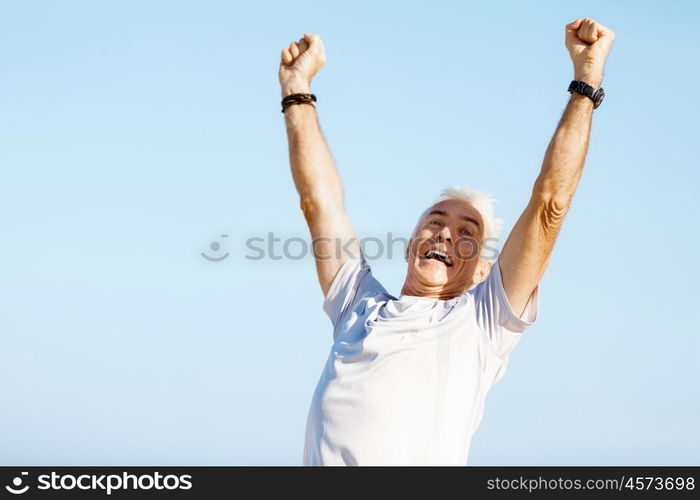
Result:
{"points": [[441, 293]]}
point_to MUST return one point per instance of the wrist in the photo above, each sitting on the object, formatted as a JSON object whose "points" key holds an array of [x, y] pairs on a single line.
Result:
{"points": [[592, 78], [295, 87], [593, 82]]}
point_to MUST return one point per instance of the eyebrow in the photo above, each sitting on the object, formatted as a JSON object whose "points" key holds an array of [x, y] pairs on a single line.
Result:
{"points": [[463, 217]]}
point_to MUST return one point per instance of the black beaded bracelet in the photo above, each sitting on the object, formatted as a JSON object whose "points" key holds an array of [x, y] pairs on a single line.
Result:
{"points": [[300, 98]]}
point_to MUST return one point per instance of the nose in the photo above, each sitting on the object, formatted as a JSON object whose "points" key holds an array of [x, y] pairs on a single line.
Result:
{"points": [[445, 234]]}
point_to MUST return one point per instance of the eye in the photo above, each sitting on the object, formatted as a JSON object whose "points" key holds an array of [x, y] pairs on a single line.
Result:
{"points": [[436, 222], [465, 232]]}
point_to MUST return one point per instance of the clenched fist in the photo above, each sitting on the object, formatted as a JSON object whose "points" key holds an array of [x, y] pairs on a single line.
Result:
{"points": [[300, 62], [588, 43]]}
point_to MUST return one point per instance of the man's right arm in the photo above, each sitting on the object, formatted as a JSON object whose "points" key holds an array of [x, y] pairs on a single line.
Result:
{"points": [[314, 172]]}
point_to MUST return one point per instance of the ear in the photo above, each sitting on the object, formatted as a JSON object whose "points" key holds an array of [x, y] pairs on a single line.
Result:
{"points": [[405, 254], [483, 268]]}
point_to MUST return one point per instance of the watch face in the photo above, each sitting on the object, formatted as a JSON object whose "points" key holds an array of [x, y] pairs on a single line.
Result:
{"points": [[599, 97]]}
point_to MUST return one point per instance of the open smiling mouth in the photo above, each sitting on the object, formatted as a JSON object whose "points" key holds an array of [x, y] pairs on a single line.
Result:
{"points": [[441, 256]]}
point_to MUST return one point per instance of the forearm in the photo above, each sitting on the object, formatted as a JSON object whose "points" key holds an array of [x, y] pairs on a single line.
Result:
{"points": [[313, 169], [566, 154], [527, 250]]}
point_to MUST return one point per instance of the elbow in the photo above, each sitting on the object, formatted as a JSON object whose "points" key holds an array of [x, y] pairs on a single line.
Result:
{"points": [[311, 206], [552, 208]]}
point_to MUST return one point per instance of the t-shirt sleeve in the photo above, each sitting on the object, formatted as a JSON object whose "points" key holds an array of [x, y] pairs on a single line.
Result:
{"points": [[352, 283], [495, 315]]}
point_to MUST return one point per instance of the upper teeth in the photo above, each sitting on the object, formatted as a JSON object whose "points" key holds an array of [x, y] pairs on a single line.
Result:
{"points": [[439, 253]]}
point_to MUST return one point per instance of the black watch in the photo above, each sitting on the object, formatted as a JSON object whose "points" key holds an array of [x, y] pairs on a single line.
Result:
{"points": [[584, 89]]}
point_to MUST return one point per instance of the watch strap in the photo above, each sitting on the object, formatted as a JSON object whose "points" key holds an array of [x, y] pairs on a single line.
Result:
{"points": [[584, 89]]}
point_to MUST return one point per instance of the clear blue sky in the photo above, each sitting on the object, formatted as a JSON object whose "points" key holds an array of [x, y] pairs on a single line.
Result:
{"points": [[134, 134]]}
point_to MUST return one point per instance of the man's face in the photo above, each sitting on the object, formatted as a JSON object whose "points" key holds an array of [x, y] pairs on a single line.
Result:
{"points": [[443, 254]]}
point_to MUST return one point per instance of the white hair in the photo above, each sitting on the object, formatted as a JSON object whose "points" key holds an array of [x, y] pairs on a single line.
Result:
{"points": [[480, 200]]}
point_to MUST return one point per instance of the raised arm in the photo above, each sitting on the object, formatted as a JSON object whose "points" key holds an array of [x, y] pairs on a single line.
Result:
{"points": [[315, 175], [526, 252]]}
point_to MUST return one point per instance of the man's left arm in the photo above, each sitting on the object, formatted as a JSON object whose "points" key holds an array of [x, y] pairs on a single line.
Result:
{"points": [[527, 250]]}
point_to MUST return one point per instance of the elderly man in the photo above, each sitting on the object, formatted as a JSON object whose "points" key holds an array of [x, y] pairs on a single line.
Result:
{"points": [[407, 376]]}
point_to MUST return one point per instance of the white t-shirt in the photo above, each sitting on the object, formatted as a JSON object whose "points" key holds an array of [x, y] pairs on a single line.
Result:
{"points": [[406, 377]]}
